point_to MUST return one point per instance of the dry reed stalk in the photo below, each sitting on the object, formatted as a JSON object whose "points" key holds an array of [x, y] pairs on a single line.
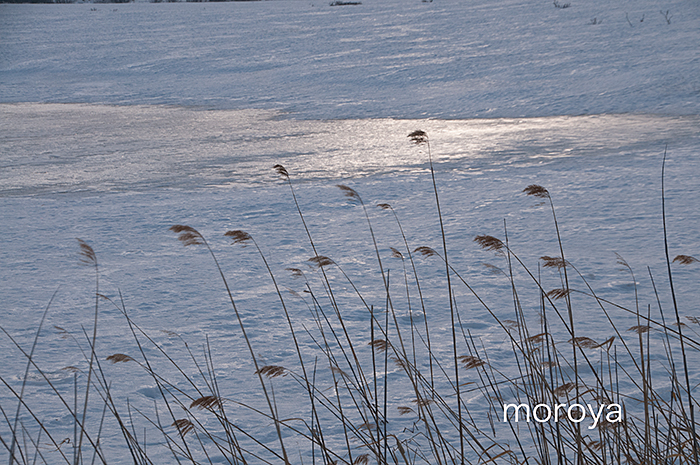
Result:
{"points": [[696, 447], [386, 206], [420, 137], [190, 236]]}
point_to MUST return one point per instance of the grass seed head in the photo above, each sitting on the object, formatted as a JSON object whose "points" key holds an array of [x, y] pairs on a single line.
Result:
{"points": [[87, 254], [187, 235], [63, 334], [470, 361], [116, 358], [71, 369], [349, 193], [622, 262], [422, 402], [640, 329], [183, 425], [557, 294], [585, 342], [206, 402], [552, 262], [238, 236], [272, 371], [536, 191], [538, 338], [296, 272], [281, 170], [418, 137], [489, 242], [395, 253], [685, 259], [426, 251], [379, 344], [494, 269], [320, 260]]}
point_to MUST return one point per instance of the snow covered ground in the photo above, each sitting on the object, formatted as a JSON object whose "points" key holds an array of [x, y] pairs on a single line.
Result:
{"points": [[396, 58], [118, 121]]}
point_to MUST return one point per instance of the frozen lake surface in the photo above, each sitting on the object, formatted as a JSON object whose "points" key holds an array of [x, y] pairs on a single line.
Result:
{"points": [[392, 58], [116, 124]]}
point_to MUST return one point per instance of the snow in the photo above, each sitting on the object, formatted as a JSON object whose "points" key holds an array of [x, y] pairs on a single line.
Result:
{"points": [[447, 59], [117, 123]]}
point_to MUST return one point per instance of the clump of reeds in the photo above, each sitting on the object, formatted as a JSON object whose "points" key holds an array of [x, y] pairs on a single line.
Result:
{"points": [[348, 390]]}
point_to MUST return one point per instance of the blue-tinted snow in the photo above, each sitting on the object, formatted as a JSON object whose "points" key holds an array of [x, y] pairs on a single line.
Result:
{"points": [[395, 58], [117, 123]]}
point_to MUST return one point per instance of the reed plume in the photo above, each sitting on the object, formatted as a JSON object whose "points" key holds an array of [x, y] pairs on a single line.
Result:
{"points": [[116, 358], [685, 259]]}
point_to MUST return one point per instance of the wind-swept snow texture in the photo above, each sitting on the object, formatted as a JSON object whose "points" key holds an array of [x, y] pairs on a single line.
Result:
{"points": [[119, 121], [394, 58]]}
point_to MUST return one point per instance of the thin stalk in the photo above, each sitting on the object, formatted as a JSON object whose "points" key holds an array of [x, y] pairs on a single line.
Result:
{"points": [[696, 452], [421, 137], [420, 294], [190, 236], [89, 258], [25, 377]]}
